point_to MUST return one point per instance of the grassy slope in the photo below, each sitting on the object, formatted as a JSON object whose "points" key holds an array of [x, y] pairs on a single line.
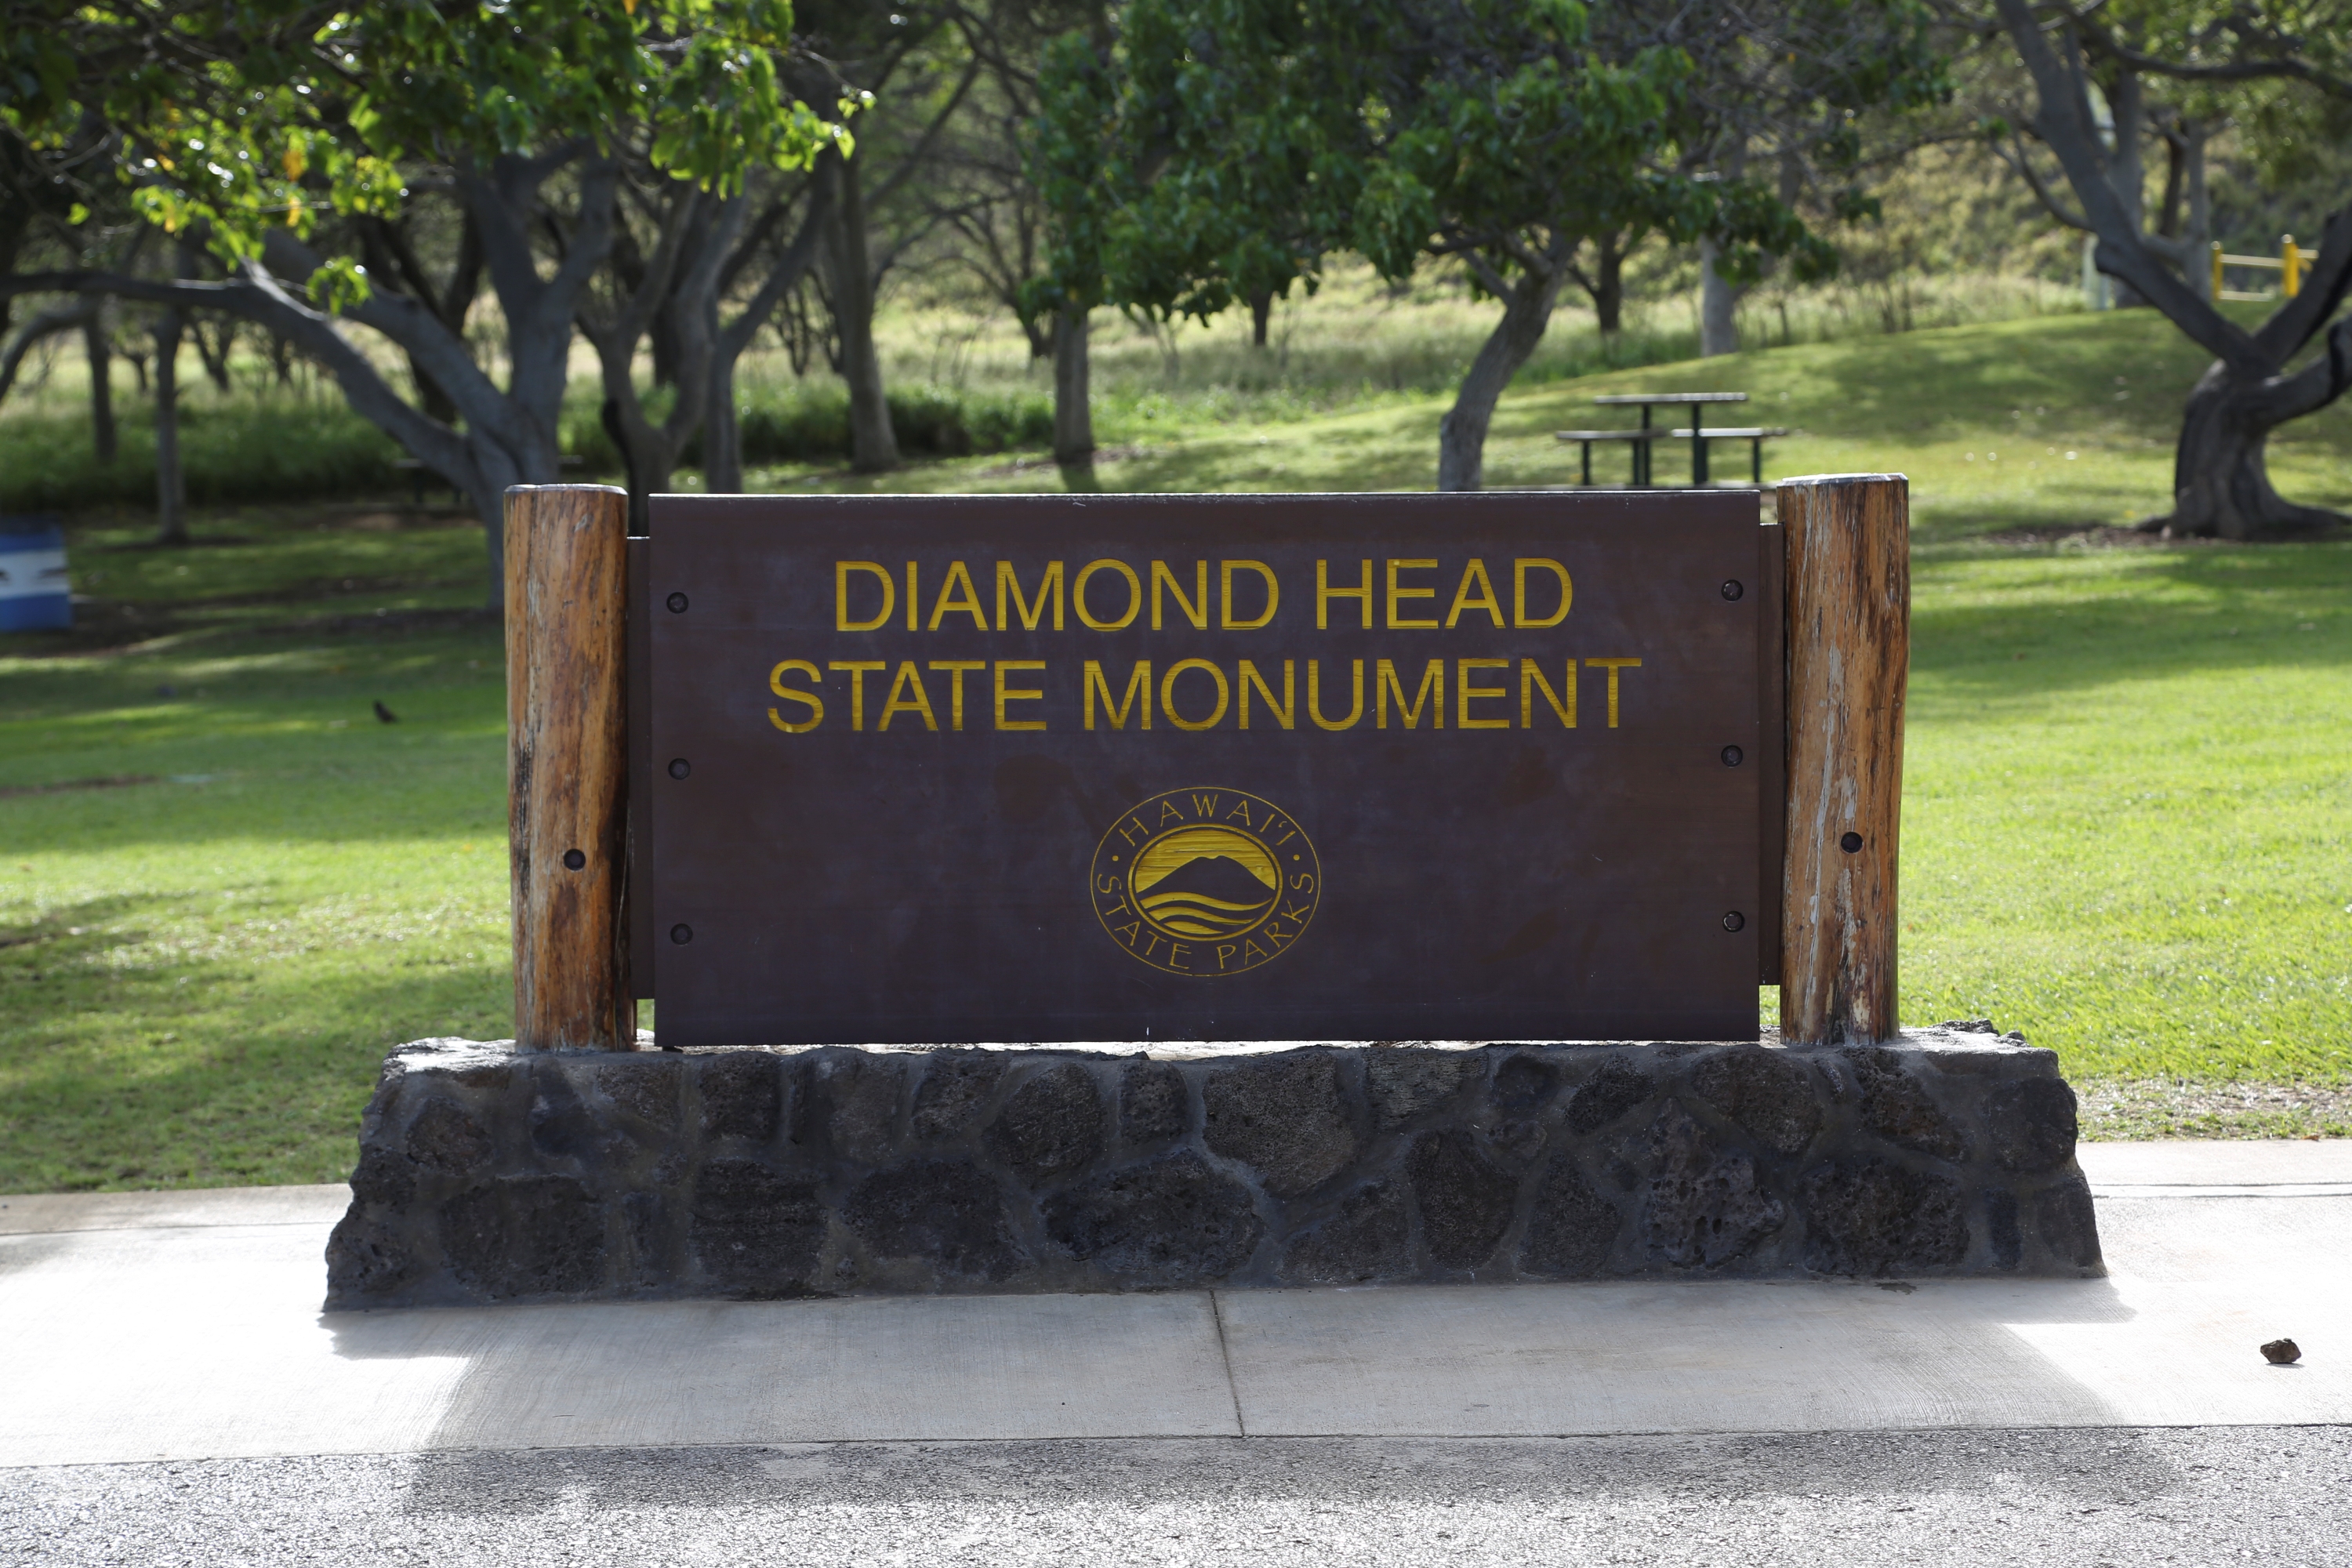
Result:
{"points": [[2127, 787], [1981, 417]]}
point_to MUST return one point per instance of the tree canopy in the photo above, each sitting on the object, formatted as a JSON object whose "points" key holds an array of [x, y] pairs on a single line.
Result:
{"points": [[276, 133], [1212, 151], [2079, 61]]}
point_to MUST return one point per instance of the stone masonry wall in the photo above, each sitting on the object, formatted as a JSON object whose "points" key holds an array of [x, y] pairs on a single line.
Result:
{"points": [[489, 1176]]}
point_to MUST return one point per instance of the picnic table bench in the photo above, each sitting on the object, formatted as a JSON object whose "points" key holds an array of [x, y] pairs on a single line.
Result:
{"points": [[1643, 441]]}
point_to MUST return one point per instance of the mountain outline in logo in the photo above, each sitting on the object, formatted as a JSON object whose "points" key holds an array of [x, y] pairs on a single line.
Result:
{"points": [[1205, 882]]}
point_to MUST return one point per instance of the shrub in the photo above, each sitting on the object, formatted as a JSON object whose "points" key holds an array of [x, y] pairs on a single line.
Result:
{"points": [[249, 447]]}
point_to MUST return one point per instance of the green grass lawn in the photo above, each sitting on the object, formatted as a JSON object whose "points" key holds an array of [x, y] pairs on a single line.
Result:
{"points": [[2127, 781]]}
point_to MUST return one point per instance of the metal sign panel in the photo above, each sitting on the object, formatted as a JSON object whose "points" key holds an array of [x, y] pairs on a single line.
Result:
{"points": [[1204, 767]]}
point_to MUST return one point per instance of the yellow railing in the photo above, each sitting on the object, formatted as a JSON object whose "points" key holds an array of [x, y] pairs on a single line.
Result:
{"points": [[2290, 264]]}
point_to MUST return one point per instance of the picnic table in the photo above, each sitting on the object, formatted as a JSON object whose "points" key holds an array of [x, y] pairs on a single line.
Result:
{"points": [[1642, 439]]}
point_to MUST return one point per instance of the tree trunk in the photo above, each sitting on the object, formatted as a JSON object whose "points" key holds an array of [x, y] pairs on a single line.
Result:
{"points": [[2125, 171], [1719, 307], [215, 356], [1261, 309], [2220, 484], [2220, 478], [1462, 434], [437, 404], [662, 335], [171, 479], [1608, 286], [722, 431], [101, 385], [873, 446], [1074, 416], [2184, 224]]}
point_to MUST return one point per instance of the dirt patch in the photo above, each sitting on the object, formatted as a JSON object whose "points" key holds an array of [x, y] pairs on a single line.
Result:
{"points": [[2085, 536], [102, 628], [2173, 1108], [117, 781], [385, 621], [1102, 455], [110, 628], [394, 520]]}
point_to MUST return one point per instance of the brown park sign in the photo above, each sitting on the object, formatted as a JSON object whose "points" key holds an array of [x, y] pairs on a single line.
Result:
{"points": [[1065, 768]]}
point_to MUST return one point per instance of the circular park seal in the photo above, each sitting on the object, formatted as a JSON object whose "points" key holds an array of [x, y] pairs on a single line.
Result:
{"points": [[1204, 882]]}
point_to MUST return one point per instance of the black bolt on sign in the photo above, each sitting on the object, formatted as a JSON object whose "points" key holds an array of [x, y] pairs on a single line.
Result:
{"points": [[1294, 767]]}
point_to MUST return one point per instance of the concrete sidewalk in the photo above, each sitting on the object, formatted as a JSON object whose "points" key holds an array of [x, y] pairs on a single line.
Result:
{"points": [[184, 1326]]}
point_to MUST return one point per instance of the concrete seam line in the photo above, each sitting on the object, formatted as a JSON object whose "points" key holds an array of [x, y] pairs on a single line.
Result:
{"points": [[193, 1225], [1225, 1352], [2154, 1190]]}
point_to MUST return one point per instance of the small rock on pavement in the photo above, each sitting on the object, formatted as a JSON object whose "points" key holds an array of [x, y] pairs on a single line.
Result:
{"points": [[2281, 1352]]}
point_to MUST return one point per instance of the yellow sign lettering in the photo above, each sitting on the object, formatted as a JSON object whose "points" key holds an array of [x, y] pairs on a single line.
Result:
{"points": [[1396, 593], [841, 571], [1014, 694], [1431, 691], [1138, 690], [1519, 570], [816, 707], [857, 669], [1613, 666], [1356, 702], [1168, 693], [1325, 594], [1163, 577], [1225, 569], [955, 668], [950, 602], [1475, 575], [1009, 585], [1563, 702], [1284, 711], [900, 703], [1134, 596], [1464, 691]]}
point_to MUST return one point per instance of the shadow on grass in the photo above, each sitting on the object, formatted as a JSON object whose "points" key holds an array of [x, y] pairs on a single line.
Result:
{"points": [[2169, 612], [209, 1073]]}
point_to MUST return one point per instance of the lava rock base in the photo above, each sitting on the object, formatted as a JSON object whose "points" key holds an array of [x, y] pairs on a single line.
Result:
{"points": [[487, 1175]]}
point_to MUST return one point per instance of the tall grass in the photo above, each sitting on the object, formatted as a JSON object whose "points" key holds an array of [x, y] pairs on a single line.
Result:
{"points": [[962, 381], [247, 445], [1359, 343], [805, 421]]}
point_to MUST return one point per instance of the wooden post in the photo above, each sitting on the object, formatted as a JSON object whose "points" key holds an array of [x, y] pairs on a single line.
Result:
{"points": [[1848, 596], [567, 764]]}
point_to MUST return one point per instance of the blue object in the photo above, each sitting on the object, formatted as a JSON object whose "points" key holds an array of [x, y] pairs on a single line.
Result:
{"points": [[34, 593]]}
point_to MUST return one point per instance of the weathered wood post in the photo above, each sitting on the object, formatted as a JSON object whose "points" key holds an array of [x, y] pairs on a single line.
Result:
{"points": [[1848, 608], [567, 765]]}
